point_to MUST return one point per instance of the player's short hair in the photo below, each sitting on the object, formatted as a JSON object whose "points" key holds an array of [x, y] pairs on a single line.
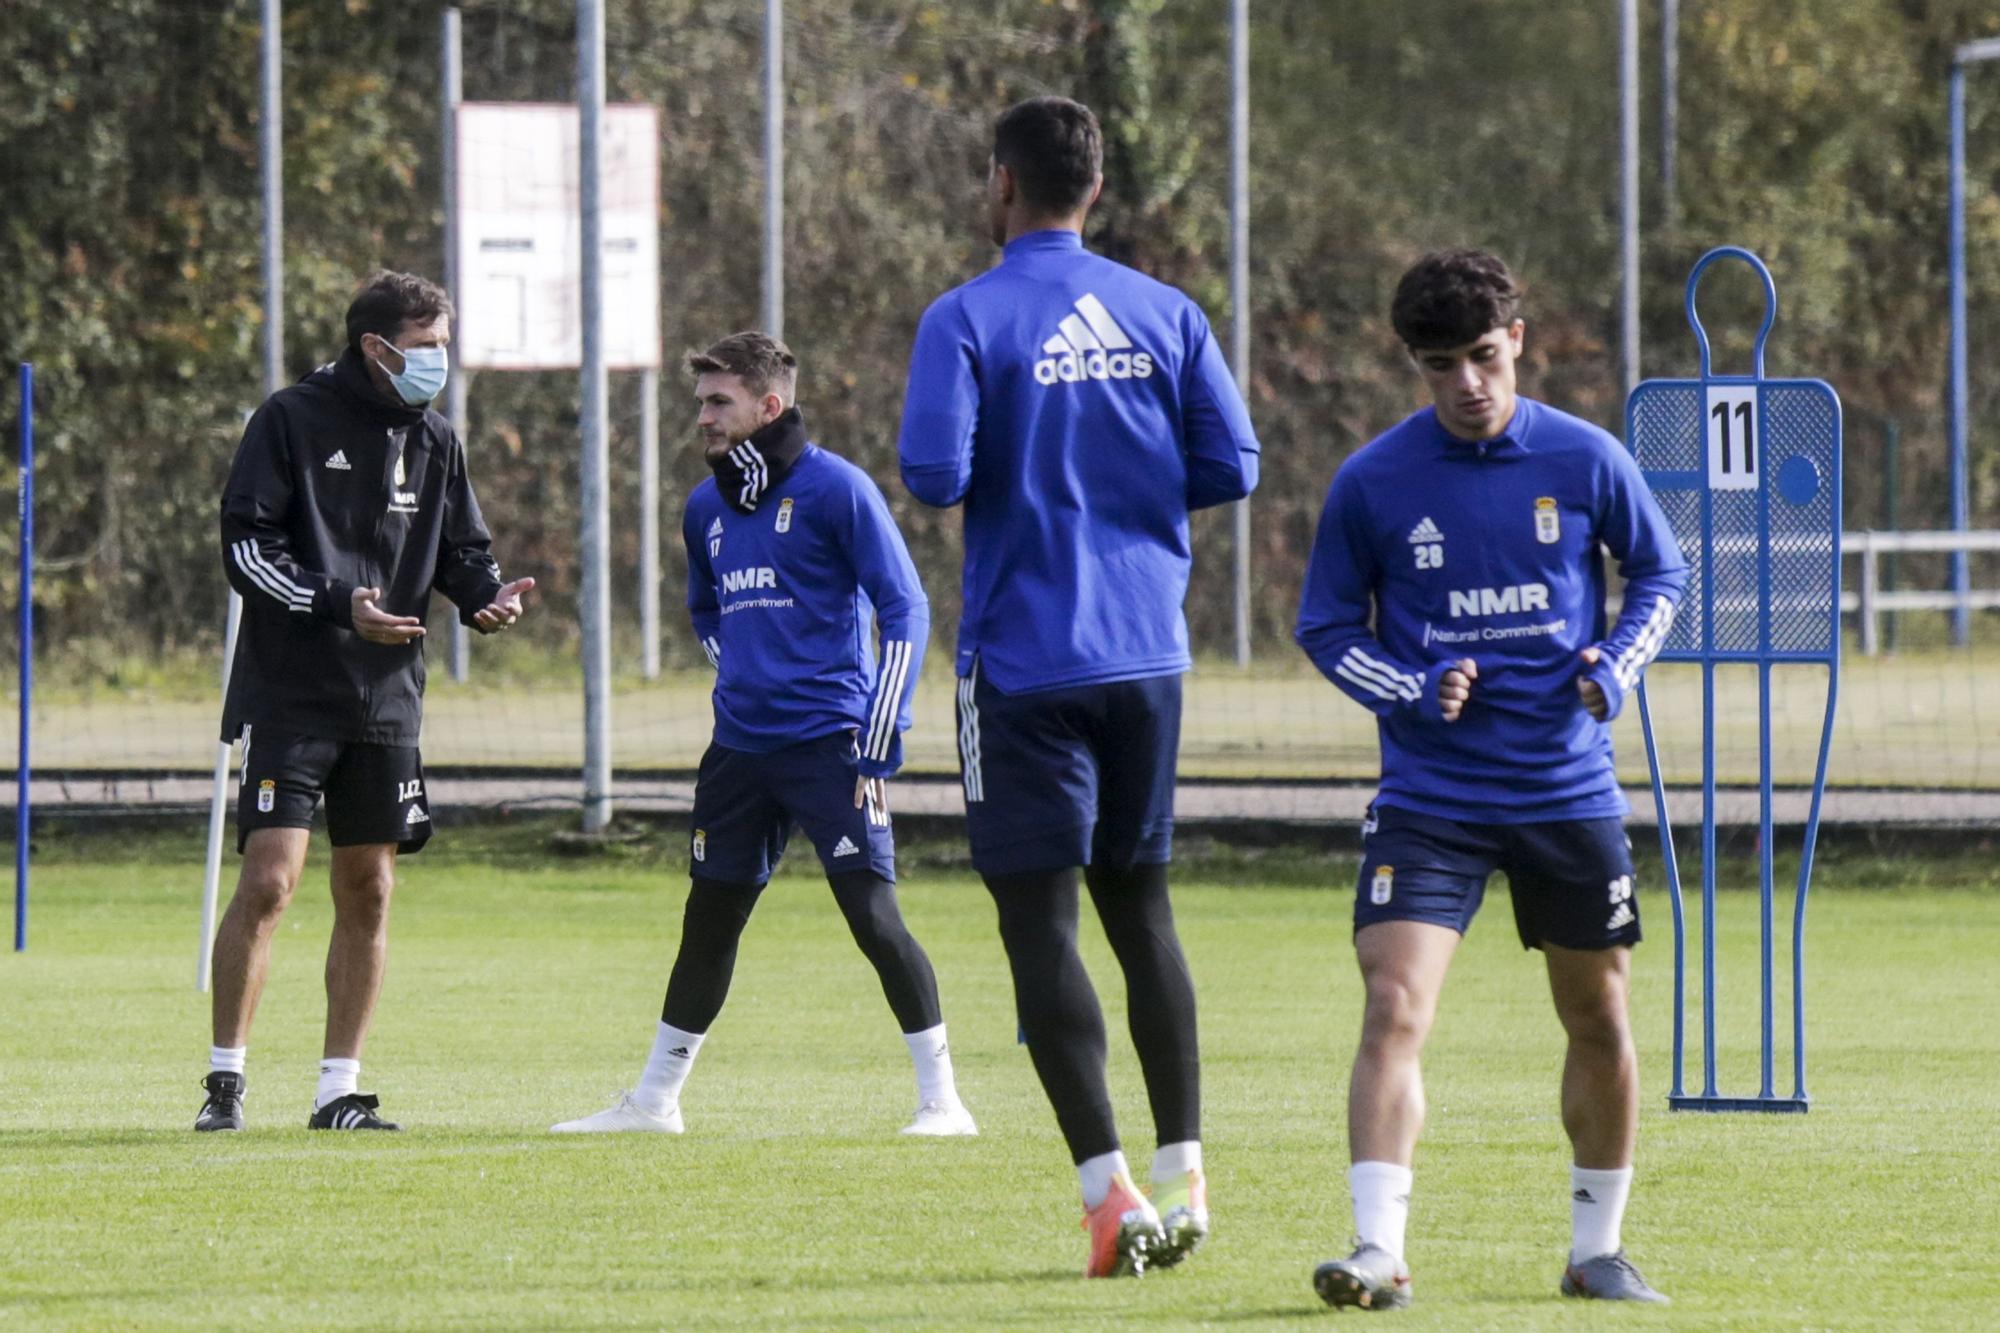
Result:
{"points": [[1055, 150], [764, 364], [388, 300], [1452, 297]]}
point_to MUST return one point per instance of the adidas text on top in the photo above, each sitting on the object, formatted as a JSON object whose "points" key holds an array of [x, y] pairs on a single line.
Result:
{"points": [[1089, 344]]}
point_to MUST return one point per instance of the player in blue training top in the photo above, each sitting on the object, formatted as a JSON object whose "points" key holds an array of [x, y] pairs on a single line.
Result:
{"points": [[1456, 590], [1079, 410], [791, 553]]}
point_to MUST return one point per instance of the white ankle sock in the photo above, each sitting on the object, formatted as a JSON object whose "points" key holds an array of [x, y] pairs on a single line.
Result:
{"points": [[1096, 1173], [1176, 1159], [337, 1078], [1596, 1211], [931, 1054], [1381, 1192], [226, 1059], [666, 1068]]}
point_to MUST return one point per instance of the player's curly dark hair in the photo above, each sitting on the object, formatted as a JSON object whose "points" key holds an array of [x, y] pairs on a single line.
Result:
{"points": [[387, 301], [764, 364], [1055, 150], [1452, 297]]}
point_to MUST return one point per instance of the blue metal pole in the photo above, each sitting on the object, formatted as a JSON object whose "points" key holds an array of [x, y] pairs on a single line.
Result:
{"points": [[27, 651], [1765, 838], [1961, 620], [1708, 922], [1672, 869]]}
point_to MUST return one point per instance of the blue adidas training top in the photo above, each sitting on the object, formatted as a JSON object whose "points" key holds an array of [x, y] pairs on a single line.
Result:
{"points": [[1452, 549], [1079, 410], [781, 599]]}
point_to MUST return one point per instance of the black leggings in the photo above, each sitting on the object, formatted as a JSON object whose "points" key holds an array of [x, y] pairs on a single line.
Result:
{"points": [[1058, 1010], [714, 921]]}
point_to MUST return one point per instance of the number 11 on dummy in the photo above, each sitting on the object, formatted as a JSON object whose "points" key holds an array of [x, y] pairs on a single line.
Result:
{"points": [[1747, 470], [1732, 437]]}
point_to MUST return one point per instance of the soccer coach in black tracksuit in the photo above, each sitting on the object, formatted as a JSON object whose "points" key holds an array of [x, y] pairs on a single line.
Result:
{"points": [[347, 503]]}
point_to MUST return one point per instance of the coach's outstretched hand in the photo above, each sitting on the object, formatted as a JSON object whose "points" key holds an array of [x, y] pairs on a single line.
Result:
{"points": [[505, 608], [1594, 701], [374, 624], [1455, 687]]}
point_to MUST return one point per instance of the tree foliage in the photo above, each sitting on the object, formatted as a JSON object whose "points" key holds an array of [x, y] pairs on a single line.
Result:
{"points": [[129, 231]]}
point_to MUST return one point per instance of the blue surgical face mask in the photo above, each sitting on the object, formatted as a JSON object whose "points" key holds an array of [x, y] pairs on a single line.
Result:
{"points": [[423, 374]]}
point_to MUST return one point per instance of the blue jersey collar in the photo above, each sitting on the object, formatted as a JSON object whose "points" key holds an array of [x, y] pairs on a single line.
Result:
{"points": [[1513, 440], [1056, 240]]}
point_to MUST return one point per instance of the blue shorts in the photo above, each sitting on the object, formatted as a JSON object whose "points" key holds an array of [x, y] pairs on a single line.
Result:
{"points": [[1069, 777], [745, 805], [1571, 879]]}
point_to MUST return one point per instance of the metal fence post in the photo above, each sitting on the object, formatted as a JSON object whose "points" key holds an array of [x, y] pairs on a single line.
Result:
{"points": [[455, 388], [594, 537], [1870, 572], [1239, 292]]}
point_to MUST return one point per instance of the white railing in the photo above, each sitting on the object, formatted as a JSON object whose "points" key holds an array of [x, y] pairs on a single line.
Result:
{"points": [[1868, 601]]}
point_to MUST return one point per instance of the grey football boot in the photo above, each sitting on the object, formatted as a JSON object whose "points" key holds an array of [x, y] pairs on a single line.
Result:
{"points": [[1609, 1277], [1369, 1279]]}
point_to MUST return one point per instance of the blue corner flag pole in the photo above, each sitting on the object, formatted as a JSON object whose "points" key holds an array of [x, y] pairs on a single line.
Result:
{"points": [[27, 651]]}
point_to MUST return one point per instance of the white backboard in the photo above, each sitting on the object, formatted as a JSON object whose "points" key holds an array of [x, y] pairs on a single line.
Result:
{"points": [[520, 237]]}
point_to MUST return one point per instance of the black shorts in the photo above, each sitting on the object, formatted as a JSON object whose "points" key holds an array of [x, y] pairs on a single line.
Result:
{"points": [[1069, 777], [1571, 879], [374, 793], [745, 806]]}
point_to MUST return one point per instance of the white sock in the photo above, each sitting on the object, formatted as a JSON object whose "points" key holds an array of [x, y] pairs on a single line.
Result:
{"points": [[1596, 1211], [337, 1078], [1176, 1159], [1381, 1193], [931, 1054], [1096, 1174], [226, 1059], [666, 1068]]}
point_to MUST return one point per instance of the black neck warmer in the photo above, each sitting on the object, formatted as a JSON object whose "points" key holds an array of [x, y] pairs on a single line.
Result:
{"points": [[753, 467]]}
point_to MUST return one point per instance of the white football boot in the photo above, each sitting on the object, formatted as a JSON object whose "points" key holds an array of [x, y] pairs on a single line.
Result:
{"points": [[942, 1120], [628, 1117]]}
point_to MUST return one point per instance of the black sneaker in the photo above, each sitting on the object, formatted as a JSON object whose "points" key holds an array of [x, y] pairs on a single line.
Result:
{"points": [[1609, 1277], [1369, 1279], [354, 1111], [224, 1107]]}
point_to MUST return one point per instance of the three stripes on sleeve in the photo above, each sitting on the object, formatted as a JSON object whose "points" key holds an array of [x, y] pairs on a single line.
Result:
{"points": [[891, 683], [257, 567], [1379, 678]]}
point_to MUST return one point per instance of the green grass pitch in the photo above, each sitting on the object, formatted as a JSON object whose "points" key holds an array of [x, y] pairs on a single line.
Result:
{"points": [[523, 989]]}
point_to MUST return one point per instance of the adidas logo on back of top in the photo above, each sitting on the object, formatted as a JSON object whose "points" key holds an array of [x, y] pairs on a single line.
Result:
{"points": [[1089, 345], [339, 461], [1426, 531]]}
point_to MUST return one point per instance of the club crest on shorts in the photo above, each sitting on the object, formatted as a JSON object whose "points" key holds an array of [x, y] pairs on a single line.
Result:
{"points": [[267, 796], [700, 844], [785, 514], [1383, 885], [1548, 521], [715, 539]]}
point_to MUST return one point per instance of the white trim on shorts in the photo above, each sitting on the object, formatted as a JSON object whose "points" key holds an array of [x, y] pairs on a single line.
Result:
{"points": [[968, 735]]}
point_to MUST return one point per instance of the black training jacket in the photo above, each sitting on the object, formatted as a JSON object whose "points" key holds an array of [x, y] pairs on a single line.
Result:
{"points": [[336, 487]]}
